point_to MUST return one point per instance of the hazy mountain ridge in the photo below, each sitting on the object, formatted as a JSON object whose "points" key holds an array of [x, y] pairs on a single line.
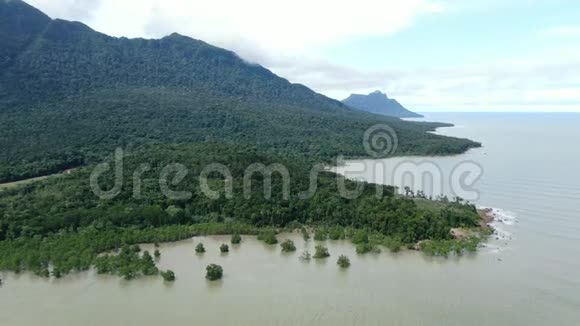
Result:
{"points": [[20, 24], [95, 60], [379, 103]]}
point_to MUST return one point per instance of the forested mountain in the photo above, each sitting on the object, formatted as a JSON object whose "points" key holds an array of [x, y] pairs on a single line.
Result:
{"points": [[379, 103], [69, 95]]}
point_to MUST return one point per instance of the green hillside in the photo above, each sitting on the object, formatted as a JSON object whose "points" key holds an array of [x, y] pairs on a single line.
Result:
{"points": [[70, 95]]}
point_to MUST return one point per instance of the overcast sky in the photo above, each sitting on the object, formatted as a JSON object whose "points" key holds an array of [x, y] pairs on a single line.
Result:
{"points": [[432, 55]]}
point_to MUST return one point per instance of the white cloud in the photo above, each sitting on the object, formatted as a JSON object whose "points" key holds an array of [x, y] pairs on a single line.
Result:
{"points": [[511, 87], [285, 37], [562, 31], [294, 25], [278, 26], [67, 9]]}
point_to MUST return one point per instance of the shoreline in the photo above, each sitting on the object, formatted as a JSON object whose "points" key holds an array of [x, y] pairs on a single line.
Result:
{"points": [[486, 217]]}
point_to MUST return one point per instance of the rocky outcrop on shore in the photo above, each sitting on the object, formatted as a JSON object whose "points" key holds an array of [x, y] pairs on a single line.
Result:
{"points": [[487, 216]]}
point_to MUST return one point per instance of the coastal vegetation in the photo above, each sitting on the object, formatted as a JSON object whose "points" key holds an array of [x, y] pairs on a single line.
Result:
{"points": [[224, 248], [214, 272], [444, 248], [168, 276], [41, 222], [65, 252], [200, 249], [127, 264], [320, 234], [320, 252], [236, 239], [75, 251], [268, 236], [343, 261], [288, 246], [365, 247], [336, 233]]}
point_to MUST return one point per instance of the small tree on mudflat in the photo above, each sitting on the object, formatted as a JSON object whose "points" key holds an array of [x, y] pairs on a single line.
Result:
{"points": [[236, 239], [168, 276], [288, 246], [343, 261], [224, 248], [268, 236], [214, 272], [321, 252], [200, 249]]}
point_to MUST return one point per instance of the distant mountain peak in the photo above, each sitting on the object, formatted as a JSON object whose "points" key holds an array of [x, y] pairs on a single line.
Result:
{"points": [[378, 92], [178, 36], [379, 103], [20, 24]]}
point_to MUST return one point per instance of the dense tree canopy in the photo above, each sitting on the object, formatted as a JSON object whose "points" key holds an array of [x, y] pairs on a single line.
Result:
{"points": [[67, 204]]}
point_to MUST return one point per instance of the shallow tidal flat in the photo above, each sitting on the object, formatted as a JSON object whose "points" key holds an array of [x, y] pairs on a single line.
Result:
{"points": [[261, 285]]}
